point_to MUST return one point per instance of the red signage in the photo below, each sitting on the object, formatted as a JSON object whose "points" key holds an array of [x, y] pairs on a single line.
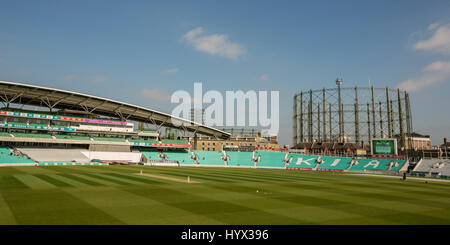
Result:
{"points": [[305, 169], [330, 170]]}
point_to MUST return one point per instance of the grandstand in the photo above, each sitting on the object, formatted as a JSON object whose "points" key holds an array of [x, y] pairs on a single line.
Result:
{"points": [[433, 168], [9, 157], [210, 158], [69, 133]]}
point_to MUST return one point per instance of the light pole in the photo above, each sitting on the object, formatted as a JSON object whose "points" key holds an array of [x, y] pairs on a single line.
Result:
{"points": [[338, 83]]}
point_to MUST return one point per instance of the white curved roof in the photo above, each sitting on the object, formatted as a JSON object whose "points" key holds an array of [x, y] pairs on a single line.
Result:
{"points": [[11, 92]]}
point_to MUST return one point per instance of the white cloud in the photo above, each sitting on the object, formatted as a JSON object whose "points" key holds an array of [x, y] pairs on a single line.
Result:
{"points": [[434, 73], [169, 71], [154, 94], [438, 66], [264, 77], [215, 44], [69, 77], [432, 26], [439, 42], [98, 79]]}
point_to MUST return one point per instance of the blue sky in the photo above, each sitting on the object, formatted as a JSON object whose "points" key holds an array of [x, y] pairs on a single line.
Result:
{"points": [[138, 51]]}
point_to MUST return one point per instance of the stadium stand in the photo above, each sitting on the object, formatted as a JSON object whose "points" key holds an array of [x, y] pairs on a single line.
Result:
{"points": [[7, 156], [240, 158], [210, 158], [270, 159], [334, 163], [5, 134], [143, 141], [362, 164], [433, 167], [150, 154], [183, 157], [112, 139], [68, 163], [302, 161], [31, 135], [72, 137], [45, 155], [131, 157]]}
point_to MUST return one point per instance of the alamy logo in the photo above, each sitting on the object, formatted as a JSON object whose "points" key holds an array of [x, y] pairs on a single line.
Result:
{"points": [[249, 105]]}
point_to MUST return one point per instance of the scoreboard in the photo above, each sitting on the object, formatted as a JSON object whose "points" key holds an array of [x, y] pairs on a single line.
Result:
{"points": [[383, 146]]}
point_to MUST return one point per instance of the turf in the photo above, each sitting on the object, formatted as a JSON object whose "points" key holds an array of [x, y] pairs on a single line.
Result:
{"points": [[116, 195]]}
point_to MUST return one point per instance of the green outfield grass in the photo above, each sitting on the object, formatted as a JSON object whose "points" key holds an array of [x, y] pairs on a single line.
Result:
{"points": [[116, 195]]}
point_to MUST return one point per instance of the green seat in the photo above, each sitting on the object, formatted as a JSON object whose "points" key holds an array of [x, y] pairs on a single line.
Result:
{"points": [[302, 161], [111, 139], [30, 135], [6, 157], [210, 157], [240, 158], [270, 158]]}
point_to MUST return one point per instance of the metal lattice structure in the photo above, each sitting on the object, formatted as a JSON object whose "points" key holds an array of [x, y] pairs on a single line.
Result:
{"points": [[353, 115]]}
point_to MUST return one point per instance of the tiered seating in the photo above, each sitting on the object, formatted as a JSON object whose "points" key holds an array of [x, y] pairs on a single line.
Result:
{"points": [[6, 156], [334, 163], [240, 158], [371, 164], [46, 154], [29, 135], [67, 163], [401, 163], [18, 124], [435, 166], [40, 125], [178, 142], [150, 155], [270, 159], [143, 141], [210, 157], [147, 131], [302, 161], [72, 137], [111, 139], [5, 134], [183, 157], [134, 157]]}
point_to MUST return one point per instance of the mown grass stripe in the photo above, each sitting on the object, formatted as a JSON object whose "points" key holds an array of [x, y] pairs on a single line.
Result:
{"points": [[102, 177], [6, 214], [138, 179], [234, 178], [242, 177], [228, 176], [259, 176], [52, 180], [196, 175], [34, 182], [94, 179], [225, 212], [54, 207], [129, 181], [11, 182], [246, 173], [200, 177], [81, 180]]}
